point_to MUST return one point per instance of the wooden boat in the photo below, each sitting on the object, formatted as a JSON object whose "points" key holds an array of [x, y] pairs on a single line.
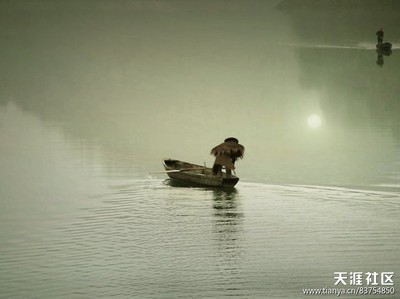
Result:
{"points": [[196, 175]]}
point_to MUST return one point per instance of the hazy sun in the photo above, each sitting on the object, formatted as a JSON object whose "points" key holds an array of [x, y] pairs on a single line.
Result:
{"points": [[314, 121]]}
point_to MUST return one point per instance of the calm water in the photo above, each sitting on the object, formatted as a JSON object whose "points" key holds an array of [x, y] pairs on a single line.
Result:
{"points": [[94, 94]]}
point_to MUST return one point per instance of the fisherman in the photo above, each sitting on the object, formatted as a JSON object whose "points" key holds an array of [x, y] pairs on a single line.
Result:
{"points": [[379, 35], [223, 161], [226, 155]]}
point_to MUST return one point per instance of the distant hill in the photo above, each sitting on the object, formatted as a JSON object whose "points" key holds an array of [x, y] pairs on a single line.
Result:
{"points": [[345, 4]]}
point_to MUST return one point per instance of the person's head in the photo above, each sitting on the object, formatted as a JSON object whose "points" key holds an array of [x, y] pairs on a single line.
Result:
{"points": [[231, 139]]}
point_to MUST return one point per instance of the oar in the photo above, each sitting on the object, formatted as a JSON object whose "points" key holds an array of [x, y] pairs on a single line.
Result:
{"points": [[176, 170]]}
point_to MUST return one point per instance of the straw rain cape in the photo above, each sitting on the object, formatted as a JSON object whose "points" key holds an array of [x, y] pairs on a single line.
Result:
{"points": [[230, 147], [227, 153]]}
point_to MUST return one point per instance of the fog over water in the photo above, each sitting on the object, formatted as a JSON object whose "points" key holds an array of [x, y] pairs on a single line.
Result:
{"points": [[158, 79], [94, 94]]}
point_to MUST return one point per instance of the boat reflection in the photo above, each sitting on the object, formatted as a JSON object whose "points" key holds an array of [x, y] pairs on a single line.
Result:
{"points": [[227, 215], [379, 60], [225, 199], [228, 228]]}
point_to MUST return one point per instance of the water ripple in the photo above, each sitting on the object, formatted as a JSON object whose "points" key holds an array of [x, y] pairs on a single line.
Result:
{"points": [[150, 240]]}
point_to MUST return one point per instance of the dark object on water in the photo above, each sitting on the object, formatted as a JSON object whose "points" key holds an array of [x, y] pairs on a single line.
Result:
{"points": [[189, 174], [381, 47], [379, 35], [226, 155], [384, 48], [379, 59]]}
